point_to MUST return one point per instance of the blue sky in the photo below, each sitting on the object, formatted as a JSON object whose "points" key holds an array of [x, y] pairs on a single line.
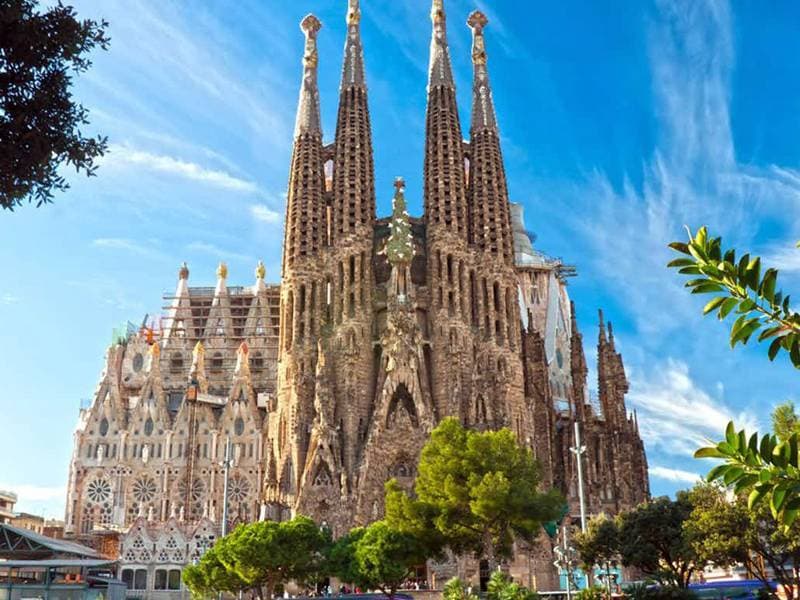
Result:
{"points": [[621, 122]]}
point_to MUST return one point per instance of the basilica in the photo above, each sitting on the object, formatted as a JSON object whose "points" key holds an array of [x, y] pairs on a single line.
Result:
{"points": [[329, 383]]}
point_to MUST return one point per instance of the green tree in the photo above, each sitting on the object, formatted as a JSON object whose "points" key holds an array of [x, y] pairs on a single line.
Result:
{"points": [[478, 491], [39, 120], [455, 589], [724, 531], [599, 544], [785, 421], [652, 539], [261, 556], [767, 469], [740, 288], [377, 557], [501, 587]]}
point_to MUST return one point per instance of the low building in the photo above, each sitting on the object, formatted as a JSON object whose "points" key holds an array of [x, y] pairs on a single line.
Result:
{"points": [[28, 521], [7, 502]]}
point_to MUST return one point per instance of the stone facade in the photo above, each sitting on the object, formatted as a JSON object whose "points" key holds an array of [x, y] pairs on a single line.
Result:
{"points": [[329, 383]]}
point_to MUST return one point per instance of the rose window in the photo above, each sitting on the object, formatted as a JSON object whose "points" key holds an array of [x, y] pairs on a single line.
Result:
{"points": [[194, 498], [238, 489], [144, 490], [98, 491]]}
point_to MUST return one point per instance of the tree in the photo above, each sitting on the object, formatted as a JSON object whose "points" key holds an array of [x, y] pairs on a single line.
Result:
{"points": [[476, 490], [652, 539], [724, 531], [741, 287], [455, 589], [501, 587], [599, 544], [39, 120], [260, 556], [785, 421], [768, 469], [377, 557]]}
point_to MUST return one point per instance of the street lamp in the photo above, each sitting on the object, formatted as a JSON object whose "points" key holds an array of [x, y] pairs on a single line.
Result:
{"points": [[579, 450], [226, 463], [566, 559]]}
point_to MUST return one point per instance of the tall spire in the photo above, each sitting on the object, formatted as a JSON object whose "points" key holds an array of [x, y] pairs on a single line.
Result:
{"points": [[445, 201], [483, 115], [353, 168], [353, 68], [440, 72], [308, 119], [489, 210], [305, 206]]}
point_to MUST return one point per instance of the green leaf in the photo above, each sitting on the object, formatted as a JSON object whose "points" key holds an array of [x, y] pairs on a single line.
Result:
{"points": [[753, 274], [732, 474], [778, 499], [680, 247], [727, 306], [755, 496], [709, 452], [713, 303], [767, 290], [730, 434], [766, 447], [774, 348], [707, 288], [717, 472], [680, 262]]}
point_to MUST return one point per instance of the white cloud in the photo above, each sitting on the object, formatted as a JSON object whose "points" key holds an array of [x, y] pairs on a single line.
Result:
{"points": [[216, 251], [784, 258], [119, 155], [263, 213], [676, 416], [35, 493], [126, 245], [9, 298], [675, 475]]}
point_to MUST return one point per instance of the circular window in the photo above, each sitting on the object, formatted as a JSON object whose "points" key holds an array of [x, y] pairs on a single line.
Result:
{"points": [[148, 426], [104, 427], [238, 426], [98, 491], [238, 489], [144, 489], [559, 359], [138, 362]]}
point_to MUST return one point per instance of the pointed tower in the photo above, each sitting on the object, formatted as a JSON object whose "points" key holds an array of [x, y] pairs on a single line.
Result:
{"points": [[612, 384], [349, 283], [303, 277], [448, 256], [489, 209], [445, 201]]}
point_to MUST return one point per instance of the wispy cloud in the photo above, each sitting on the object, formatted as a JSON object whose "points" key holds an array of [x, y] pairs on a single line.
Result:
{"points": [[265, 214], [124, 156], [674, 475], [217, 252], [783, 258], [35, 493], [126, 245], [8, 298], [676, 416]]}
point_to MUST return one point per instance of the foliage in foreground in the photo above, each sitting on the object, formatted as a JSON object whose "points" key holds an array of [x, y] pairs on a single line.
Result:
{"points": [[259, 557], [378, 556], [39, 120], [741, 288], [476, 492], [767, 470], [455, 589], [501, 587]]}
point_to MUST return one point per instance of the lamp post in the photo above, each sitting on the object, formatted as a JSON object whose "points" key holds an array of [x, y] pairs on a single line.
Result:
{"points": [[565, 558], [227, 463], [579, 451]]}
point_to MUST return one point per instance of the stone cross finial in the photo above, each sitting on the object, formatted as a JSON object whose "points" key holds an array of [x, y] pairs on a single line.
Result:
{"points": [[308, 119], [261, 270], [399, 184], [477, 21], [183, 273], [222, 271]]}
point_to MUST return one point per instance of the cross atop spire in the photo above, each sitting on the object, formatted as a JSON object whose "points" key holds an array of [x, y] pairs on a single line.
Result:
{"points": [[483, 115], [440, 72], [308, 118]]}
